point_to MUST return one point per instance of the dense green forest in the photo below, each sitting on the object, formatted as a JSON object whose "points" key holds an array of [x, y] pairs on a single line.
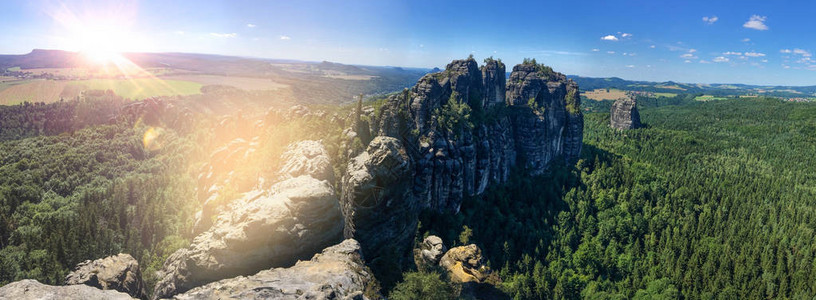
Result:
{"points": [[712, 200]]}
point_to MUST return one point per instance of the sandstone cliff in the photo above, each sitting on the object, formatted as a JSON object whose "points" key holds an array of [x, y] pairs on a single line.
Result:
{"points": [[624, 114], [460, 130]]}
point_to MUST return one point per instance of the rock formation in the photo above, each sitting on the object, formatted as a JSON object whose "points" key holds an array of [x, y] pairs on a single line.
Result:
{"points": [[337, 272], [427, 256], [292, 220], [624, 114], [460, 130], [377, 187], [32, 289], [432, 249], [465, 264], [118, 272]]}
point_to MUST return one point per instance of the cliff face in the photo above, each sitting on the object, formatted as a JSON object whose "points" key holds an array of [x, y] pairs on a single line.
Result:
{"points": [[461, 130], [624, 114]]}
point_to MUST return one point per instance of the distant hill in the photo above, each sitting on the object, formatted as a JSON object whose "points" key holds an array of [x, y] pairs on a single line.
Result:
{"points": [[591, 83]]}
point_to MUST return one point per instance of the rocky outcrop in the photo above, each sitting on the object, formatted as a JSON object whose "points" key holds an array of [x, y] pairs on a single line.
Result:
{"points": [[624, 114], [307, 158], [461, 130], [550, 123], [432, 249], [338, 272], [264, 228], [378, 207], [118, 272], [32, 289], [465, 264]]}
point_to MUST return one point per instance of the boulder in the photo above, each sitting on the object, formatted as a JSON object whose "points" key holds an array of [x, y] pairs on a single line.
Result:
{"points": [[624, 114], [118, 272], [32, 289], [338, 272], [465, 264], [432, 249], [293, 220]]}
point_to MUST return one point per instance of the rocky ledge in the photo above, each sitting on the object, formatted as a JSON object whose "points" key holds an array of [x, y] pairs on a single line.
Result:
{"points": [[118, 272], [338, 272], [32, 289]]}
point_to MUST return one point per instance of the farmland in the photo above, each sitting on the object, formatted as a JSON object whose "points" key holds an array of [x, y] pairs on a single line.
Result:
{"points": [[244, 83], [13, 92], [605, 94]]}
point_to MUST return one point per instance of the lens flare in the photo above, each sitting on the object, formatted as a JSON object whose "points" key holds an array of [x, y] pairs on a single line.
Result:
{"points": [[151, 138]]}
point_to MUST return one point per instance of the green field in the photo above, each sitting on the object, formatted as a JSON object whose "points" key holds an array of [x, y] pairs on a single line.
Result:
{"points": [[708, 98], [141, 88], [667, 95], [13, 69]]}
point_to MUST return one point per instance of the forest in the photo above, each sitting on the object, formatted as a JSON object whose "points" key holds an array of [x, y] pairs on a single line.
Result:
{"points": [[710, 200]]}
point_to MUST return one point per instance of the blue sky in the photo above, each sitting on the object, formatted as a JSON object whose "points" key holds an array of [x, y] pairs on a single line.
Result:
{"points": [[755, 42]]}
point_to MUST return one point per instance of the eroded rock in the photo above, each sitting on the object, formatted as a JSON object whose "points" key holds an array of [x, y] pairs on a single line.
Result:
{"points": [[118, 272], [624, 114], [338, 272], [293, 220], [465, 264], [32, 289], [377, 202]]}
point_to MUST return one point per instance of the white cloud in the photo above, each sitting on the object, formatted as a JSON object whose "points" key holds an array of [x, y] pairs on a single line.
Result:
{"points": [[688, 55], [224, 35], [610, 52], [285, 37], [720, 59], [756, 22], [251, 25], [703, 61], [710, 20], [652, 46], [692, 50], [626, 35], [764, 60], [754, 54], [732, 53], [688, 61], [610, 38], [745, 40], [595, 50], [801, 52], [179, 32], [630, 66], [787, 51]]}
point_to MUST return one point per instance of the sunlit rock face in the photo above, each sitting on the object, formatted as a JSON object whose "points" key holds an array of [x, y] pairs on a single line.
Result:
{"points": [[118, 272], [264, 228], [30, 289], [338, 272], [624, 114], [462, 130]]}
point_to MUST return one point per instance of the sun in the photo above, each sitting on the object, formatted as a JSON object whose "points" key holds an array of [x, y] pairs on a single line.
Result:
{"points": [[101, 33]]}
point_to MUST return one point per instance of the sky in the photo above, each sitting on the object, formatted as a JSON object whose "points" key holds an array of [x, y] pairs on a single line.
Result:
{"points": [[752, 42]]}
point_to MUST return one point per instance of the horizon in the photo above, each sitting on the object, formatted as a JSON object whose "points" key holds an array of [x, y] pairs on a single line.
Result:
{"points": [[752, 43]]}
